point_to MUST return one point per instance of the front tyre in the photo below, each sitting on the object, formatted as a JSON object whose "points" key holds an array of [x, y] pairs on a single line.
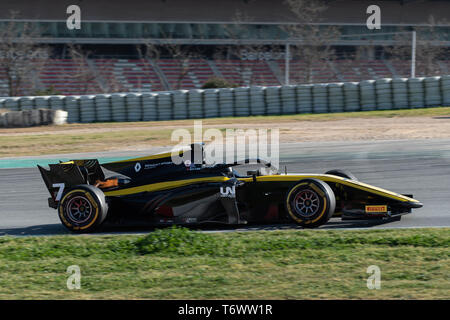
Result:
{"points": [[82, 208], [310, 203]]}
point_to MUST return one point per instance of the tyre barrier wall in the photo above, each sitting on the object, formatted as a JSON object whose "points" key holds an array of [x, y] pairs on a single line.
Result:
{"points": [[381, 94], [32, 117]]}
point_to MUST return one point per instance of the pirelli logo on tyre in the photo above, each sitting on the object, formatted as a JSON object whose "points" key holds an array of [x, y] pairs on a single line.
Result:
{"points": [[376, 209]]}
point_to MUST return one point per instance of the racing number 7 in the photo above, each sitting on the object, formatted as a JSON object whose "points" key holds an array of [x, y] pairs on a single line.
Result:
{"points": [[61, 187]]}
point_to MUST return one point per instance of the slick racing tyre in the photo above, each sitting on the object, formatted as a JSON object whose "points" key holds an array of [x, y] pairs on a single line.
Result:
{"points": [[310, 203], [342, 173], [82, 208]]}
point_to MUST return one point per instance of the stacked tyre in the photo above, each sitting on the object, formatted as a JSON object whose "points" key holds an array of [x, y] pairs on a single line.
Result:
{"points": [[416, 93], [43, 102], [27, 103], [368, 95], [304, 98], [433, 96], [273, 100], [320, 98], [351, 93], [257, 101], [288, 100], [384, 94], [445, 85], [400, 93], [118, 107], [242, 101], [87, 109], [73, 108], [336, 97], [12, 104], [226, 101], [195, 104], [211, 97], [134, 107], [103, 106], [180, 104]]}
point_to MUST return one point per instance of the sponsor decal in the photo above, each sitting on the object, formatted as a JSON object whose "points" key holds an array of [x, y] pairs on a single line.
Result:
{"points": [[376, 209], [228, 192], [154, 165], [191, 166], [137, 167]]}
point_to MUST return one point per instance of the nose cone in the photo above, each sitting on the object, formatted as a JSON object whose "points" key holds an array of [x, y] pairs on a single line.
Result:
{"points": [[416, 204]]}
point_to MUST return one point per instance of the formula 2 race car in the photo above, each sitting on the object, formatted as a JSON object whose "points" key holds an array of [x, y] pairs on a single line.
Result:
{"points": [[156, 190]]}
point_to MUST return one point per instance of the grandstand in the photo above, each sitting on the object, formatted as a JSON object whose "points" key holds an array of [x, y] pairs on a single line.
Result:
{"points": [[113, 31]]}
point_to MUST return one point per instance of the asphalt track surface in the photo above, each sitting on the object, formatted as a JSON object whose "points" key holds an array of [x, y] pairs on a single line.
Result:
{"points": [[420, 167]]}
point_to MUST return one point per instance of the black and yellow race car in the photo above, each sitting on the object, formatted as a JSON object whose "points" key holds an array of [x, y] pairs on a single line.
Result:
{"points": [[159, 191]]}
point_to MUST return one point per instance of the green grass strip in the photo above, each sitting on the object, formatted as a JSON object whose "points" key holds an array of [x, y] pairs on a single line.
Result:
{"points": [[178, 263]]}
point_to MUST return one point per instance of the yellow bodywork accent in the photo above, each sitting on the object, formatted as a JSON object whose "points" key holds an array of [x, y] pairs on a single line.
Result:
{"points": [[153, 157], [271, 178], [335, 179], [164, 185], [67, 162]]}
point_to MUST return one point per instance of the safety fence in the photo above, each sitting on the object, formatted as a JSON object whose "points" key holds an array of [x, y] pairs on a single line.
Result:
{"points": [[381, 94]]}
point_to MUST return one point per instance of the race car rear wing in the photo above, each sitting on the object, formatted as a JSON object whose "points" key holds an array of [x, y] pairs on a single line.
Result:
{"points": [[69, 174]]}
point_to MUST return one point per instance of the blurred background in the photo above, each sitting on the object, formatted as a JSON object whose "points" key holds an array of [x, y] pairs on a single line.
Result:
{"points": [[142, 46]]}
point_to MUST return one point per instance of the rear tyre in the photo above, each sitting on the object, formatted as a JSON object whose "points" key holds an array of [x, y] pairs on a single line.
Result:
{"points": [[310, 203], [83, 208], [342, 173]]}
